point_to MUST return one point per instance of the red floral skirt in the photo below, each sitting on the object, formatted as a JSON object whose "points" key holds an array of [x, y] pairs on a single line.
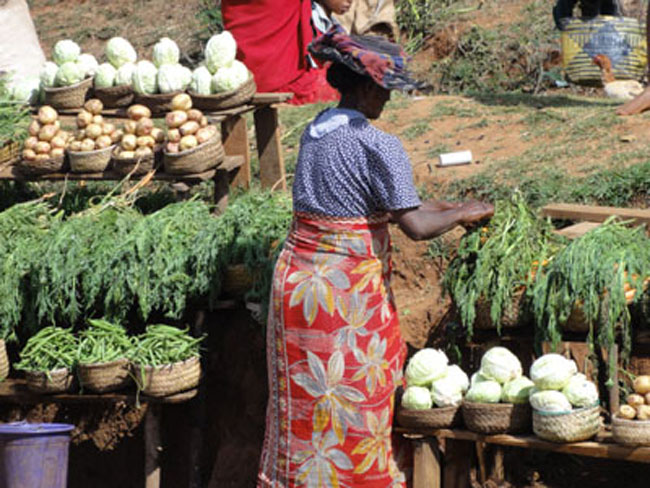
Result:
{"points": [[335, 358]]}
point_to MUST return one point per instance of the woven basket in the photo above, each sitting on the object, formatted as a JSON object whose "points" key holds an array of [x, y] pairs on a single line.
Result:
{"points": [[38, 168], [8, 151], [497, 418], [225, 100], [202, 158], [4, 361], [511, 316], [90, 161], [575, 426], [432, 418], [631, 432], [158, 103], [105, 377], [115, 96], [58, 381], [167, 380], [72, 96], [141, 165]]}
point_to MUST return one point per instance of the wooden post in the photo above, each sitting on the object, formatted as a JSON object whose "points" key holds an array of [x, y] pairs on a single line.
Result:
{"points": [[221, 190], [426, 464], [152, 446], [234, 136], [267, 131], [458, 460], [480, 455], [498, 469]]}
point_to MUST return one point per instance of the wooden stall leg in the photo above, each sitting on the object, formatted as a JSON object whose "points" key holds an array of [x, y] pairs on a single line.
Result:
{"points": [[267, 131], [498, 469], [152, 446], [458, 461], [221, 190], [234, 136], [480, 455], [426, 464]]}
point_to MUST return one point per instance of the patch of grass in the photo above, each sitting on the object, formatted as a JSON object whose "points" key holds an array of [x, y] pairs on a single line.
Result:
{"points": [[416, 130], [456, 109]]}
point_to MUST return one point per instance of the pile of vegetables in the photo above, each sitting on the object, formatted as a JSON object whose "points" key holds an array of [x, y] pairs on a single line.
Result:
{"points": [[638, 403], [119, 69], [51, 348], [495, 263], [92, 131], [14, 117], [500, 379], [558, 385], [46, 138], [139, 137], [103, 342], [162, 344], [221, 72], [187, 127], [69, 65], [433, 382]]}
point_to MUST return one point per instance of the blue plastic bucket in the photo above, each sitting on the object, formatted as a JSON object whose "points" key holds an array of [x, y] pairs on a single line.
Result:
{"points": [[34, 455]]}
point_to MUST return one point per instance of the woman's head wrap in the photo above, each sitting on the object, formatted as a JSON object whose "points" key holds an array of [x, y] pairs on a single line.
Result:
{"points": [[373, 56]]}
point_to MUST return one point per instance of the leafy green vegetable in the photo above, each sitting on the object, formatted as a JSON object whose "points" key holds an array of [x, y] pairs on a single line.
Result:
{"points": [[14, 117]]}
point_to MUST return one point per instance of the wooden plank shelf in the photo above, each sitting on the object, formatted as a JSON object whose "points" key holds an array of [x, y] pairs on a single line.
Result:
{"points": [[602, 447], [593, 213]]}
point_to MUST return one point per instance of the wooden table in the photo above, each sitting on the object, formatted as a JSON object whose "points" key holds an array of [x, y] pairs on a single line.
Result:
{"points": [[428, 468], [15, 391]]}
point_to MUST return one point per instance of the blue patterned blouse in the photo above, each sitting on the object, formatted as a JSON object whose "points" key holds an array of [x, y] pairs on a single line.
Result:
{"points": [[348, 168]]}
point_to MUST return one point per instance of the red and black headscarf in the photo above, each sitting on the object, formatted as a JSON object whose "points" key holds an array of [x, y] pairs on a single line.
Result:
{"points": [[373, 56]]}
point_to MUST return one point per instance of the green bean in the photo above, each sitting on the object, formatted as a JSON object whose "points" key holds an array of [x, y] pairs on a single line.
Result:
{"points": [[51, 348], [163, 344], [103, 342]]}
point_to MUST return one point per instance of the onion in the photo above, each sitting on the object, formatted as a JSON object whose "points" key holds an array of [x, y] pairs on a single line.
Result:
{"points": [[195, 115], [143, 126], [103, 142], [42, 147], [80, 135], [635, 400], [57, 152], [129, 126], [94, 106], [75, 146], [30, 142], [98, 119], [136, 112], [87, 145], [643, 412], [642, 384], [175, 119], [34, 127], [158, 135], [126, 155], [189, 128], [172, 147], [84, 118], [129, 142], [182, 101], [204, 121], [42, 158], [146, 141], [117, 136], [627, 412], [174, 135], [143, 152], [188, 142], [58, 141], [29, 154], [204, 135], [108, 129], [93, 131], [47, 115]]}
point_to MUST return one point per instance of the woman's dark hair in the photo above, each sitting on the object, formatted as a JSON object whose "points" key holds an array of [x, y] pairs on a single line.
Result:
{"points": [[344, 79]]}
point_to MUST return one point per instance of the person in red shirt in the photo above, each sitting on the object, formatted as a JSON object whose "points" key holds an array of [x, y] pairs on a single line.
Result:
{"points": [[272, 38]]}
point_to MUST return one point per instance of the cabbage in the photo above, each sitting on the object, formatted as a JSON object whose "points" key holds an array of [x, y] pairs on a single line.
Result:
{"points": [[581, 392], [68, 74], [488, 391], [426, 366], [88, 64], [458, 376], [446, 392], [145, 78], [550, 401], [171, 78], [517, 390], [500, 365], [552, 372], [220, 51], [230, 77], [119, 51], [201, 81], [186, 75], [65, 51], [165, 52], [26, 90], [105, 75], [48, 74], [124, 75], [478, 377], [416, 398]]}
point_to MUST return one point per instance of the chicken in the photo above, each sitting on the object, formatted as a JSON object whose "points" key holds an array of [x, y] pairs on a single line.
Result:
{"points": [[618, 89]]}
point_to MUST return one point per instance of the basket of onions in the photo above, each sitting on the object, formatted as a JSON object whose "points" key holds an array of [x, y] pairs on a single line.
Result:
{"points": [[631, 424], [136, 152], [90, 151], [44, 149], [193, 146]]}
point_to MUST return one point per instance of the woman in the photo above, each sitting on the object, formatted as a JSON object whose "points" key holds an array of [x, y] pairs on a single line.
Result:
{"points": [[335, 354]]}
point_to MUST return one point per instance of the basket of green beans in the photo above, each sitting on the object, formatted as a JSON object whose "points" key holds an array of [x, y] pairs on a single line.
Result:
{"points": [[103, 363], [48, 360], [166, 360]]}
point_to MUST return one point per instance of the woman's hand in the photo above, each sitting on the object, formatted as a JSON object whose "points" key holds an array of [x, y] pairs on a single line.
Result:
{"points": [[474, 212], [439, 205]]}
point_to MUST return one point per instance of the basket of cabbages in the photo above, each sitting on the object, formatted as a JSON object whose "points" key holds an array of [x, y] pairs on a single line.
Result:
{"points": [[434, 392]]}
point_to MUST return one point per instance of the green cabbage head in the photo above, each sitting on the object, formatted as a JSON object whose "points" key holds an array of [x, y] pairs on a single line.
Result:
{"points": [[550, 401], [105, 75], [48, 74], [145, 78], [230, 77], [220, 51], [65, 51], [488, 391], [124, 75], [459, 377], [426, 366], [517, 390], [26, 90], [165, 51], [417, 398], [171, 78], [552, 371], [68, 74], [88, 64], [445, 392], [581, 392], [500, 365], [120, 51]]}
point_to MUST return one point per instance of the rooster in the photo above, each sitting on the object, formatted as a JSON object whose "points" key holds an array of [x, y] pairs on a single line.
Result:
{"points": [[621, 89]]}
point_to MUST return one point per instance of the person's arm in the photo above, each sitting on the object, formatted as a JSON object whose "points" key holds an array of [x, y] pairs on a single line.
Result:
{"points": [[424, 223]]}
